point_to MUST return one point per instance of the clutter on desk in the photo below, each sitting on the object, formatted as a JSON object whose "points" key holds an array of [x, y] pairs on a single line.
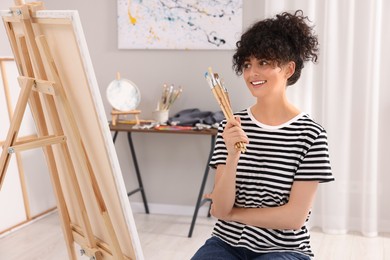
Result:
{"points": [[222, 96], [115, 114], [168, 96], [124, 96], [161, 116], [194, 116], [157, 126], [173, 127], [135, 122]]}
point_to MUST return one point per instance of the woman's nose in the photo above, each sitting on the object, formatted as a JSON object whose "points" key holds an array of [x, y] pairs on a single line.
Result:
{"points": [[254, 71]]}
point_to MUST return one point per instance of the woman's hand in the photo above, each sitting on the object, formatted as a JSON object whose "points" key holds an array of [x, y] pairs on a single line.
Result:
{"points": [[233, 134]]}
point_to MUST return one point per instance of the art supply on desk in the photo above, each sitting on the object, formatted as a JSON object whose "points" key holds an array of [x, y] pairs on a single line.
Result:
{"points": [[135, 122], [168, 96], [173, 128], [222, 96], [124, 97], [161, 116], [123, 94]]}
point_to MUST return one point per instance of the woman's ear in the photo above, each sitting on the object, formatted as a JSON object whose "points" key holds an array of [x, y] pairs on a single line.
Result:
{"points": [[290, 69]]}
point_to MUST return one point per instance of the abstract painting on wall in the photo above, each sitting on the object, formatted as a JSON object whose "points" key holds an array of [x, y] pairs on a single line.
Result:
{"points": [[179, 24]]}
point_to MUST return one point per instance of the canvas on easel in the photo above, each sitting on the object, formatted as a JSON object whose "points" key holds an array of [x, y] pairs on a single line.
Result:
{"points": [[57, 81]]}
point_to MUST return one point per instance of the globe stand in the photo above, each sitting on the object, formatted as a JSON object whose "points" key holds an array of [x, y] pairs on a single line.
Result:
{"points": [[116, 113]]}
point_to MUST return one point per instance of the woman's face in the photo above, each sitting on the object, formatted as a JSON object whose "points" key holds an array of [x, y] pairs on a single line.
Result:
{"points": [[264, 78]]}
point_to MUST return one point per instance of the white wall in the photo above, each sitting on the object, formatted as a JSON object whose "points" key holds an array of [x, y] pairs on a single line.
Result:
{"points": [[172, 166], [27, 173]]}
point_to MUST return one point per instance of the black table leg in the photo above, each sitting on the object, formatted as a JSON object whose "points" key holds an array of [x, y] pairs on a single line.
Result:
{"points": [[115, 136], [141, 186], [199, 201]]}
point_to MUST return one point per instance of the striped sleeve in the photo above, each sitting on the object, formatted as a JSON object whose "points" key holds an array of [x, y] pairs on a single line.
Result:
{"points": [[315, 165], [220, 152]]}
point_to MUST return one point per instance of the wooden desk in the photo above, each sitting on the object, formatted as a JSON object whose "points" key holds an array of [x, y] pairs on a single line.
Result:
{"points": [[128, 128]]}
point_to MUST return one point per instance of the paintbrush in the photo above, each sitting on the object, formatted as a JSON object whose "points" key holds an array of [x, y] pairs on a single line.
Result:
{"points": [[168, 97], [222, 96]]}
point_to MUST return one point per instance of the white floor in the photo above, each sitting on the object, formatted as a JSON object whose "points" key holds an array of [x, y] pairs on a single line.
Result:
{"points": [[164, 237]]}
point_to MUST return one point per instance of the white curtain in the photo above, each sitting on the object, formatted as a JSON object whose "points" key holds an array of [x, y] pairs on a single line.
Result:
{"points": [[347, 92]]}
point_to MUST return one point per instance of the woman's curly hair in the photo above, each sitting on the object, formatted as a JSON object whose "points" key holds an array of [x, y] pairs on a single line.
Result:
{"points": [[287, 37]]}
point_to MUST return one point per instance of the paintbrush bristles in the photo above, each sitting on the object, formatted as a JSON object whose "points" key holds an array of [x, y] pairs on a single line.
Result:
{"points": [[223, 93], [168, 97], [222, 96]]}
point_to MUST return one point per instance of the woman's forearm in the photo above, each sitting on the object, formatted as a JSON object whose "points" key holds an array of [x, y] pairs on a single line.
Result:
{"points": [[291, 215], [282, 217], [224, 192]]}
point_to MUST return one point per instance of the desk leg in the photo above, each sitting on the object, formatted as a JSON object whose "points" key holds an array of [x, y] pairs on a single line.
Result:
{"points": [[199, 201], [115, 135], [141, 186]]}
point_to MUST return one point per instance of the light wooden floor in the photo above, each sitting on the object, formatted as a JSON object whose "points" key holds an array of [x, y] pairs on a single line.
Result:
{"points": [[164, 237]]}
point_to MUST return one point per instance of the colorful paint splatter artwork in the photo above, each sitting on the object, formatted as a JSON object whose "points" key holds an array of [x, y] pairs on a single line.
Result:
{"points": [[179, 24]]}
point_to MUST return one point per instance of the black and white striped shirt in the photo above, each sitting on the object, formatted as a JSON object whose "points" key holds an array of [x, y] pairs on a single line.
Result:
{"points": [[276, 156]]}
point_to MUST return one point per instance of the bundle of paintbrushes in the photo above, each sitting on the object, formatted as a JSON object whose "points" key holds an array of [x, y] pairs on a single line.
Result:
{"points": [[168, 97], [222, 96]]}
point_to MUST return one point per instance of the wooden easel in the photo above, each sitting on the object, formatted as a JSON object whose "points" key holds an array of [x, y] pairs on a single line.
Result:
{"points": [[41, 88], [116, 113]]}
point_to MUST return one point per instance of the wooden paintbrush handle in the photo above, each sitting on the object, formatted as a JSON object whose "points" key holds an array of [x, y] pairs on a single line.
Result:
{"points": [[224, 103], [220, 103], [222, 97]]}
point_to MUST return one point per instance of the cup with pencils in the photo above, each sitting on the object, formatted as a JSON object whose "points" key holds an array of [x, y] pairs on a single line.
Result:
{"points": [[168, 96]]}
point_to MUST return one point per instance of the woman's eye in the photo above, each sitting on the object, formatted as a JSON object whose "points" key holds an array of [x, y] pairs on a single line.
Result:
{"points": [[263, 62], [246, 65]]}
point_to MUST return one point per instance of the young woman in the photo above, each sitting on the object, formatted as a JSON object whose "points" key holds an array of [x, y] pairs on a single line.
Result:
{"points": [[262, 198]]}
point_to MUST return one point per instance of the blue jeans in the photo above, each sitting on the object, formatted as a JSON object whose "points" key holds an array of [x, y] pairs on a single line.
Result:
{"points": [[216, 249]]}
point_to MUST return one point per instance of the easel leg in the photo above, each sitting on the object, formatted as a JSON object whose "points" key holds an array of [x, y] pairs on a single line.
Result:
{"points": [[21, 105], [42, 130], [18, 156]]}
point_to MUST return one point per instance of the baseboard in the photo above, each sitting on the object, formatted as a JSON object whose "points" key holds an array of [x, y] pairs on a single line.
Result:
{"points": [[27, 222], [169, 209]]}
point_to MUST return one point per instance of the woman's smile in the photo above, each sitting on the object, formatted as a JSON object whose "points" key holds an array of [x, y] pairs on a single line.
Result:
{"points": [[258, 83]]}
